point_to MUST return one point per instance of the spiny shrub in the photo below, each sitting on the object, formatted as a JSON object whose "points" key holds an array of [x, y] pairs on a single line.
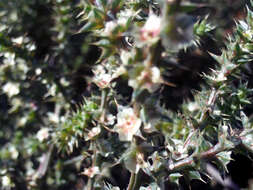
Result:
{"points": [[121, 123]]}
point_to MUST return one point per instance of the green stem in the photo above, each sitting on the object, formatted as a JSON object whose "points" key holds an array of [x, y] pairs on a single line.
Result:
{"points": [[132, 181], [94, 160], [103, 104], [103, 98], [189, 161], [90, 184]]}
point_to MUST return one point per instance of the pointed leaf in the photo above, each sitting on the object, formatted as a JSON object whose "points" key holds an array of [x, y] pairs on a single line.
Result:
{"points": [[175, 177], [225, 158], [195, 175]]}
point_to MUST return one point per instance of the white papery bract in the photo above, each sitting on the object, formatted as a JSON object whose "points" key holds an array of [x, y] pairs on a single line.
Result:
{"points": [[42, 134], [127, 124], [151, 28], [149, 78], [91, 172]]}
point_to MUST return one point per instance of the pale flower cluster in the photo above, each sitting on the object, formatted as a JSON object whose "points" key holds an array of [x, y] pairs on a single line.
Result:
{"points": [[127, 124], [125, 56], [220, 75], [193, 106], [110, 119], [123, 17], [13, 152], [149, 79], [53, 117], [91, 172], [109, 27], [9, 59], [18, 40], [6, 182], [151, 28], [43, 134], [102, 78], [92, 133], [11, 89], [179, 149]]}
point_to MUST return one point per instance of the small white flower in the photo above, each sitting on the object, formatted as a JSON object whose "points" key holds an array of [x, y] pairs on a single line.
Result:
{"points": [[122, 21], [64, 82], [119, 71], [22, 121], [38, 71], [149, 79], [92, 133], [124, 15], [192, 106], [224, 128], [248, 34], [125, 56], [109, 27], [155, 75], [221, 77], [91, 172], [11, 89], [14, 153], [101, 78], [127, 124], [110, 119], [18, 40], [53, 117], [52, 90], [178, 149], [152, 28], [9, 59], [62, 119], [99, 70], [217, 112], [6, 181], [31, 47], [42, 134], [22, 66]]}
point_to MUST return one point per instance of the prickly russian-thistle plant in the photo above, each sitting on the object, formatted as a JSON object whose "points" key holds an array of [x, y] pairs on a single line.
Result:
{"points": [[135, 131]]}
